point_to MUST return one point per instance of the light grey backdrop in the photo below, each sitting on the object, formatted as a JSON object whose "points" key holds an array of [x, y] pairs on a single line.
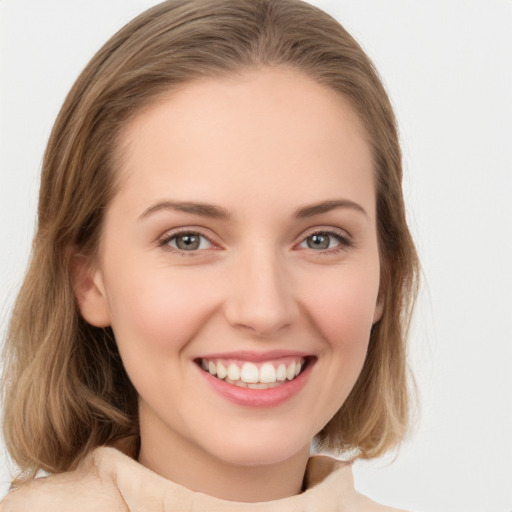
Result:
{"points": [[448, 67]]}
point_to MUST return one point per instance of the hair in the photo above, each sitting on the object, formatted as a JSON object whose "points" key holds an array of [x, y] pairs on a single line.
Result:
{"points": [[64, 387]]}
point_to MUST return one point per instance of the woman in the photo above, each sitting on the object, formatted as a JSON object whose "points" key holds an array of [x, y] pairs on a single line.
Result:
{"points": [[222, 271]]}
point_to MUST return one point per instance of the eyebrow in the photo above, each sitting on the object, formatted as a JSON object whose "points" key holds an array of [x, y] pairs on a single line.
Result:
{"points": [[202, 209], [327, 206], [217, 212]]}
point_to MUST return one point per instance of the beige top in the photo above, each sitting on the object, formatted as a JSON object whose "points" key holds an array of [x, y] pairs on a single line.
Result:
{"points": [[108, 480]]}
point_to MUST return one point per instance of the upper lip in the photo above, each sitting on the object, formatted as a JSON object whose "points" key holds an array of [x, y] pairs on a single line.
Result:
{"points": [[255, 357]]}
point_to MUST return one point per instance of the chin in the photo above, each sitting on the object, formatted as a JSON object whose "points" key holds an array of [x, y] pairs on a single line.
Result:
{"points": [[259, 451]]}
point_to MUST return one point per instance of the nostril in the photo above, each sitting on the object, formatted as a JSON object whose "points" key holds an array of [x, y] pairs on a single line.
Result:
{"points": [[261, 324], [261, 304]]}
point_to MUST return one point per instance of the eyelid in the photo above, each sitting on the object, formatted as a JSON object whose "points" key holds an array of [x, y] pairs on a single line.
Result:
{"points": [[330, 230], [163, 240], [346, 239]]}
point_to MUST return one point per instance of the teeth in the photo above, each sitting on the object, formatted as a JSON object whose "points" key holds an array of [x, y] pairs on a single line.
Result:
{"points": [[233, 372], [249, 375], [290, 371], [260, 385], [281, 372], [222, 371], [267, 373]]}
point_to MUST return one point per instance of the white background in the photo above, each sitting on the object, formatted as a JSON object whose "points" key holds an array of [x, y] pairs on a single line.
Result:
{"points": [[448, 67]]}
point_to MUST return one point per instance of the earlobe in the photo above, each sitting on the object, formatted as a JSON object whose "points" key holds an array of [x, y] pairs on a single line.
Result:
{"points": [[89, 291]]}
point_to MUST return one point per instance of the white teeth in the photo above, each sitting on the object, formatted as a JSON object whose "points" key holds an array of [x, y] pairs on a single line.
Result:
{"points": [[267, 373], [250, 373], [222, 371], [290, 371], [281, 372], [259, 385], [238, 383], [242, 384], [233, 372]]}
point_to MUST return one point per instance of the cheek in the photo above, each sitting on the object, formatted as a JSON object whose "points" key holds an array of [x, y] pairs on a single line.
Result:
{"points": [[343, 306], [158, 311]]}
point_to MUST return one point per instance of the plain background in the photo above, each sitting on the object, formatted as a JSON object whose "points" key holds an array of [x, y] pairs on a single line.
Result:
{"points": [[448, 67]]}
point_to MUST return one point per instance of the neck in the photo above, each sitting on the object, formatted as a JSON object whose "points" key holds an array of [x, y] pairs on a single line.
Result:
{"points": [[186, 464]]}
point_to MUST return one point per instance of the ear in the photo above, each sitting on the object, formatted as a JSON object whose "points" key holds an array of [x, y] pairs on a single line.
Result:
{"points": [[89, 290]]}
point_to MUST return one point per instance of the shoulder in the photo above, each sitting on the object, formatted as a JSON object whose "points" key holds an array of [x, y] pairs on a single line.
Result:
{"points": [[82, 490]]}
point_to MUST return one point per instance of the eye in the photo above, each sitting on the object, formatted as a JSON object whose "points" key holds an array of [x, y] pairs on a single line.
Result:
{"points": [[323, 241], [188, 241]]}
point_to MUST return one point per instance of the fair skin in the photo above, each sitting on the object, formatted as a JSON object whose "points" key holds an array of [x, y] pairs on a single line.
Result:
{"points": [[280, 267]]}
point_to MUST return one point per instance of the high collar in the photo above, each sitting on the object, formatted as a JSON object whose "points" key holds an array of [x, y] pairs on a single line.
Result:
{"points": [[329, 487]]}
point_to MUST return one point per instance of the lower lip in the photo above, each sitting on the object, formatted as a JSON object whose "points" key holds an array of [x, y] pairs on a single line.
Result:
{"points": [[248, 397]]}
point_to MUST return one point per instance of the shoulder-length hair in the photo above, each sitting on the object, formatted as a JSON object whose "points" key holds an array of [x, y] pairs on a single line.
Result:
{"points": [[65, 389]]}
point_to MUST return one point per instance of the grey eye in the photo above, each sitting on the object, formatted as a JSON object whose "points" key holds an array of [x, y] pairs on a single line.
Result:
{"points": [[189, 242], [321, 241]]}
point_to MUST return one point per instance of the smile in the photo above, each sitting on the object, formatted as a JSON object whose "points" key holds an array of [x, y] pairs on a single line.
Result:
{"points": [[252, 379], [252, 375]]}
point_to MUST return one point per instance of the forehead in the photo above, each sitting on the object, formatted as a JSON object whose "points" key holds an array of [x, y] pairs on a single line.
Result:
{"points": [[264, 127]]}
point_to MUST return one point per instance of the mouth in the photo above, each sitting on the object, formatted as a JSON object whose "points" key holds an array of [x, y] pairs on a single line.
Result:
{"points": [[256, 375]]}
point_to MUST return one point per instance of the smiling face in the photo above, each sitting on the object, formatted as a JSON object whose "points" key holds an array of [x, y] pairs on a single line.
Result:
{"points": [[239, 267]]}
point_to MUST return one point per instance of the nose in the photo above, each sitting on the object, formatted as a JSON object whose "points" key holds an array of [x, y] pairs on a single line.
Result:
{"points": [[260, 296]]}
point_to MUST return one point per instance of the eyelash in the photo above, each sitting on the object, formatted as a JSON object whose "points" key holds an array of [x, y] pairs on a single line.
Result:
{"points": [[344, 241], [164, 241]]}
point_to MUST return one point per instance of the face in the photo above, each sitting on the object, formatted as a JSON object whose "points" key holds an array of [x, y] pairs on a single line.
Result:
{"points": [[239, 266]]}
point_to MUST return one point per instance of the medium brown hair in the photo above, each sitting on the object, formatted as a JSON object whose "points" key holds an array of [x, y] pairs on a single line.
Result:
{"points": [[65, 389]]}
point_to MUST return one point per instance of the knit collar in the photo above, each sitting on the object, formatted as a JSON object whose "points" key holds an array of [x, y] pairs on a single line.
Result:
{"points": [[329, 487]]}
